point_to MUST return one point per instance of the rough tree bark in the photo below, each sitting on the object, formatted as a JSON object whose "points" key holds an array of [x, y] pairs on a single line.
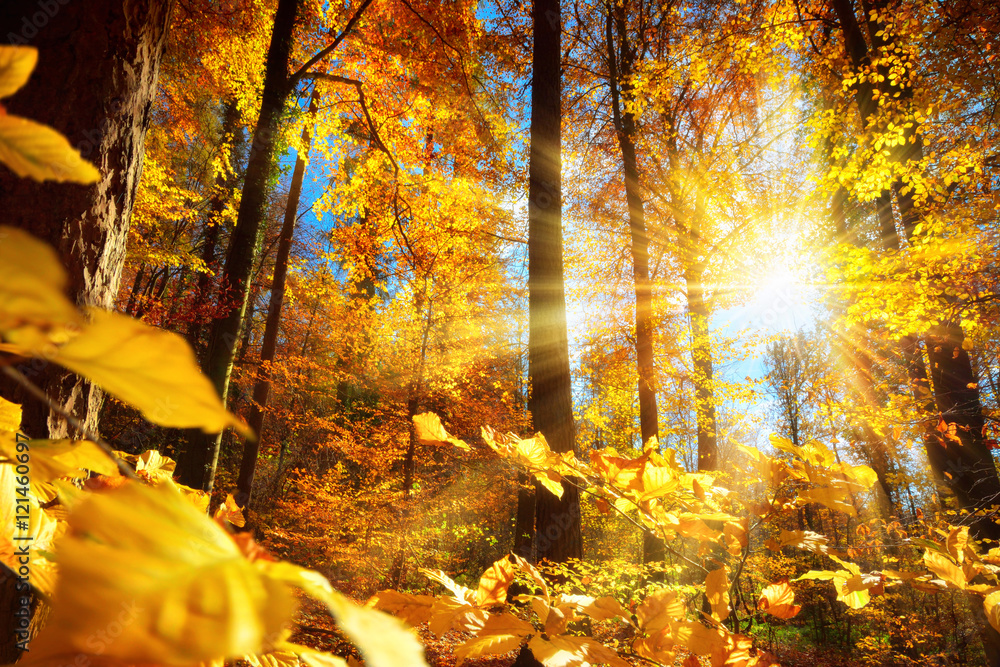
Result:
{"points": [[557, 526], [620, 63]]}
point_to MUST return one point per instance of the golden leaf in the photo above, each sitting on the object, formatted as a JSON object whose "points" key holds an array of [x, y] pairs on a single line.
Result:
{"points": [[51, 459], [16, 65], [506, 624], [414, 609], [10, 415], [461, 593], [658, 610], [449, 614], [658, 647], [143, 560], [697, 638], [37, 151], [945, 569], [430, 431], [991, 604], [34, 310], [150, 369], [494, 583], [230, 511], [604, 608], [778, 600], [717, 593], [42, 530], [566, 651], [383, 640], [958, 540], [491, 644], [735, 535]]}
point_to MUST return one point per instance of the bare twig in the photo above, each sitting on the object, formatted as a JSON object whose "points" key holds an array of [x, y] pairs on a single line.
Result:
{"points": [[35, 391]]}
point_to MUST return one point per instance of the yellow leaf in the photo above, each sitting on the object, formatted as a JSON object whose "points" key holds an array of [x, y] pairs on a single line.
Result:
{"points": [[945, 569], [717, 593], [33, 307], [37, 151], [144, 560], [449, 614], [778, 600], [494, 582], [383, 640], [658, 647], [154, 465], [658, 610], [230, 511], [431, 432], [491, 644], [42, 529], [461, 593], [10, 415], [735, 535], [831, 497], [991, 603], [958, 539], [51, 459], [506, 624], [414, 609], [16, 65], [854, 591], [604, 608], [150, 369], [698, 638], [567, 651]]}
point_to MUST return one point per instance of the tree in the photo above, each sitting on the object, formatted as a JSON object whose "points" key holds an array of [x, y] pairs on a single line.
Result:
{"points": [[557, 520], [95, 82]]}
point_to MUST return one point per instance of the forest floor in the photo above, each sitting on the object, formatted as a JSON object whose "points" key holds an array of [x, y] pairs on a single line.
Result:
{"points": [[317, 629]]}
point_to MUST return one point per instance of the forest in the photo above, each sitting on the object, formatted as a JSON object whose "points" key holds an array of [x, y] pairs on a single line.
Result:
{"points": [[444, 332]]}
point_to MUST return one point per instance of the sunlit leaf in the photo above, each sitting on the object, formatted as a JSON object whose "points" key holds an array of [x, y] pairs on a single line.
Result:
{"points": [[16, 65], [176, 584], [383, 640], [37, 151], [778, 600], [717, 593], [34, 310], [151, 369], [10, 415]]}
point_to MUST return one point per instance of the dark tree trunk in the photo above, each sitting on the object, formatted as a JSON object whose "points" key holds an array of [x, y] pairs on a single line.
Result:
{"points": [[201, 457], [557, 534], [269, 345], [524, 521], [620, 61], [95, 82], [701, 360]]}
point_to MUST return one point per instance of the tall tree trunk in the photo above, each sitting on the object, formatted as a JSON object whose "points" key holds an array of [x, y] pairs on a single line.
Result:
{"points": [[557, 523], [95, 82], [620, 64], [269, 345], [201, 457], [703, 370]]}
